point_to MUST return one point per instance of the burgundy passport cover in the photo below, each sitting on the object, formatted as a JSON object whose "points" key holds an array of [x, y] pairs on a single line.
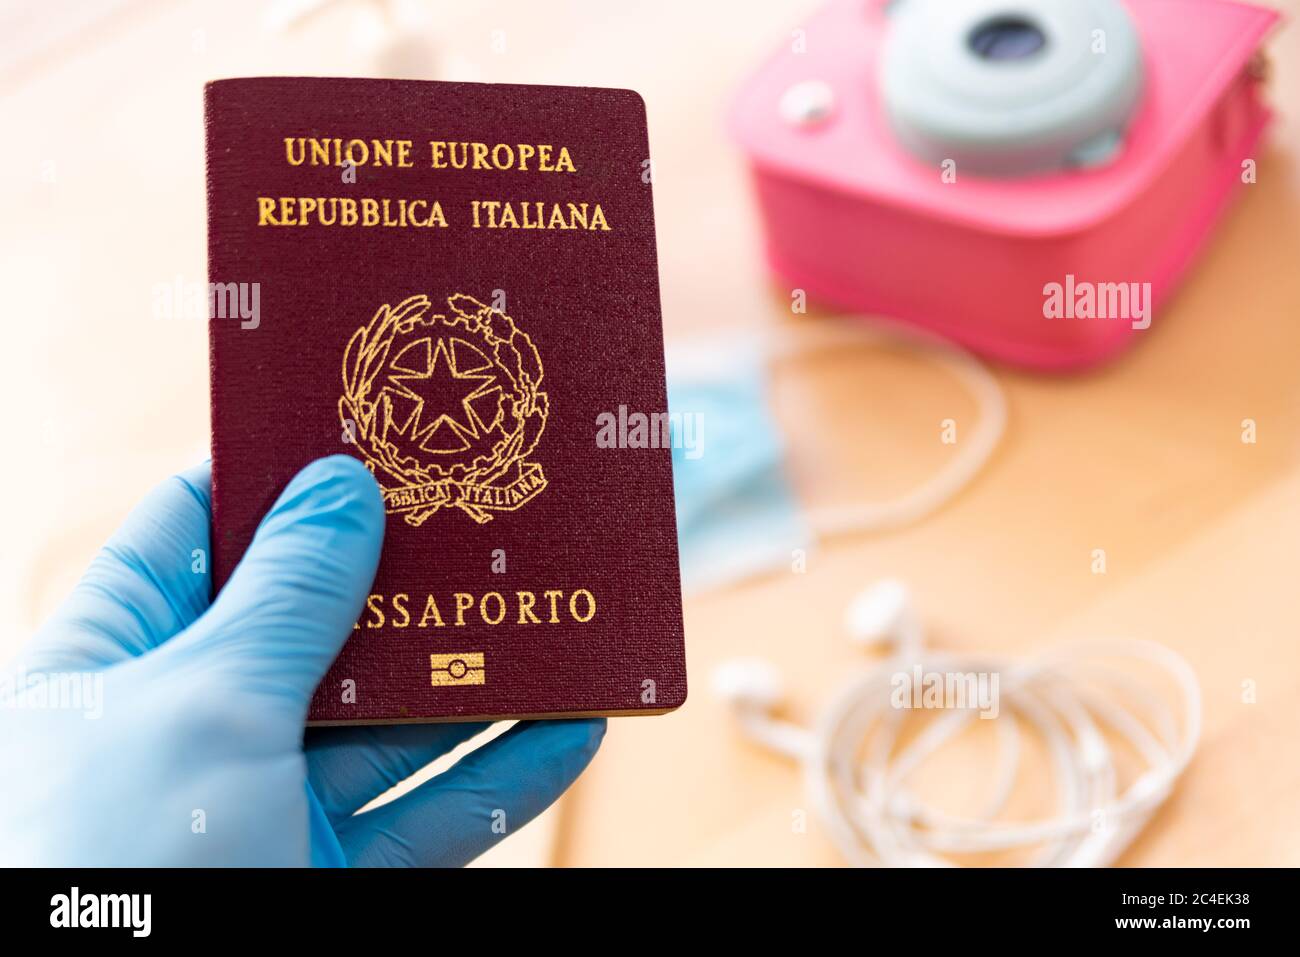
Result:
{"points": [[455, 283]]}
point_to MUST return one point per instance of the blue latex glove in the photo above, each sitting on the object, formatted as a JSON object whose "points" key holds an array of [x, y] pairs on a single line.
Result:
{"points": [[198, 756]]}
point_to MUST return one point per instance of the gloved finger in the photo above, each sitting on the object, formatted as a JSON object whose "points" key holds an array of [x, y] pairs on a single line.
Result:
{"points": [[488, 794], [347, 767], [148, 583], [293, 599]]}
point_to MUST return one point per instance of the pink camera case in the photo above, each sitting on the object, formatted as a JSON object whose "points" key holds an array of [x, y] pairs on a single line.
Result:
{"points": [[858, 223]]}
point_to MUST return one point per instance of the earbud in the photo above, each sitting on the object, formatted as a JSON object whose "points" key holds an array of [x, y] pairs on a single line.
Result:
{"points": [[753, 689], [862, 793], [883, 613], [748, 684]]}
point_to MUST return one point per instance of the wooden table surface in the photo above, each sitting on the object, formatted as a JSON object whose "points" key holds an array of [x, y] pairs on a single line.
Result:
{"points": [[103, 168]]}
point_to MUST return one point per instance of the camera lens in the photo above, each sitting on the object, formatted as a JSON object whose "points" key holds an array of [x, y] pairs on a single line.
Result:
{"points": [[1010, 87], [1007, 38]]}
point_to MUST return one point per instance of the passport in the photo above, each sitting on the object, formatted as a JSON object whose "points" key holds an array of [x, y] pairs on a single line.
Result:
{"points": [[456, 284]]}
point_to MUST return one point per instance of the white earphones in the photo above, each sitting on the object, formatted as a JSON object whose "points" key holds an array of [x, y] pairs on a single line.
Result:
{"points": [[857, 763], [884, 613]]}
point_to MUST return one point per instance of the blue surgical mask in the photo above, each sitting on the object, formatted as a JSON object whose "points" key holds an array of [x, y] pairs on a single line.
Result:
{"points": [[737, 514]]}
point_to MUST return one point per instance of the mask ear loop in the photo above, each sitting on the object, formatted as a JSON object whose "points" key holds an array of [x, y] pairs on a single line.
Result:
{"points": [[973, 453]]}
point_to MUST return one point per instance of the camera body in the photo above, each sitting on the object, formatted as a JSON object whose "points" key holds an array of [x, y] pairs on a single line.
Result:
{"points": [[1004, 172]]}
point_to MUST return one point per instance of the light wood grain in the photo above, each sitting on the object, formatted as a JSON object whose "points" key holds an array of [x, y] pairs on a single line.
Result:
{"points": [[1142, 458]]}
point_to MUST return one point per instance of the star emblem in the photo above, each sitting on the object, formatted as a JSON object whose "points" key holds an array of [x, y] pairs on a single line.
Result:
{"points": [[442, 395]]}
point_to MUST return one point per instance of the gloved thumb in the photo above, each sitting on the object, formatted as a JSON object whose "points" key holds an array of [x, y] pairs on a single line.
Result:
{"points": [[291, 602]]}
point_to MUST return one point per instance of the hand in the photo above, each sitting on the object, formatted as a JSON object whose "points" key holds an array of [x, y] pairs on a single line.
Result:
{"points": [[186, 745]]}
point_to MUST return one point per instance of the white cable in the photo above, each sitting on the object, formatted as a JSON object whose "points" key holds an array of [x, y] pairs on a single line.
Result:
{"points": [[973, 452], [856, 764]]}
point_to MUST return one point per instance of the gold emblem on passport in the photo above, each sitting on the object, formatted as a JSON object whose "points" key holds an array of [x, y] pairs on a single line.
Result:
{"points": [[446, 409], [462, 668]]}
